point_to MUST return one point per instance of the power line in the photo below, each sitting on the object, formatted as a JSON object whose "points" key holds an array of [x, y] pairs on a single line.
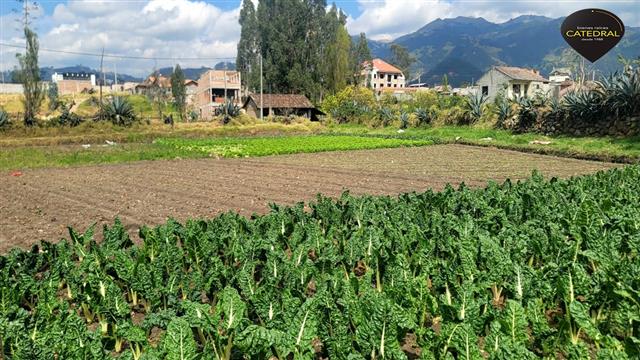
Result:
{"points": [[114, 56]]}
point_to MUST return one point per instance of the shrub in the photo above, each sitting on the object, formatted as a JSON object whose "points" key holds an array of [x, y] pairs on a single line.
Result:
{"points": [[454, 115], [67, 117], [119, 111], [5, 121], [425, 116], [385, 116], [404, 120], [353, 104]]}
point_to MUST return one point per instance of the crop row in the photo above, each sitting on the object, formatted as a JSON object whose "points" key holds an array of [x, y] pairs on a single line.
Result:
{"points": [[513, 271]]}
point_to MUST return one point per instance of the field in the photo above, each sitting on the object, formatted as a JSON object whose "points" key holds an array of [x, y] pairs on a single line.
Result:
{"points": [[513, 271], [41, 203]]}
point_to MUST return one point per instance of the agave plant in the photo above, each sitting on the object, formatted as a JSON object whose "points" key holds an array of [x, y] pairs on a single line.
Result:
{"points": [[119, 111], [404, 120], [504, 111], [385, 115], [424, 116], [526, 112], [228, 110], [584, 105], [4, 119], [474, 105], [621, 92]]}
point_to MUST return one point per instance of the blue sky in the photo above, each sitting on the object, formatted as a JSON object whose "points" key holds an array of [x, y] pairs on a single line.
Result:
{"points": [[166, 30]]}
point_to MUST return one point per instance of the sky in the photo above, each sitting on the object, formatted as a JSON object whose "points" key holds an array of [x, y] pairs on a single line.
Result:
{"points": [[198, 33]]}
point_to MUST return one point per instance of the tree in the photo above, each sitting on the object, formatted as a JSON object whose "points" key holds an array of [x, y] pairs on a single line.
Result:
{"points": [[29, 77], [293, 38], [52, 94], [338, 60], [401, 58], [360, 56], [157, 94], [445, 83], [179, 91], [248, 51]]}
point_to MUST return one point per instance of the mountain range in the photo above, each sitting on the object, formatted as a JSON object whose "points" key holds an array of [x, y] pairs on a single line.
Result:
{"points": [[463, 48]]}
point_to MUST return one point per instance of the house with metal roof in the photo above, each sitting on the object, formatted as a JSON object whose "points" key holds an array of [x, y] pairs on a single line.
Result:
{"points": [[513, 82]]}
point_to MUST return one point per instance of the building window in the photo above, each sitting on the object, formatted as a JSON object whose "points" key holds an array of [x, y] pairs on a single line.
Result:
{"points": [[389, 77], [516, 89], [381, 85], [374, 86], [537, 87], [395, 85], [374, 76], [395, 77], [485, 90]]}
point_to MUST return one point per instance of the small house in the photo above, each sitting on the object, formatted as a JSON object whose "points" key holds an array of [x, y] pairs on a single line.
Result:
{"points": [[513, 82], [280, 105]]}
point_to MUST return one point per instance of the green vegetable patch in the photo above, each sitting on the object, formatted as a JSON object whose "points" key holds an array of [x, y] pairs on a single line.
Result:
{"points": [[527, 270]]}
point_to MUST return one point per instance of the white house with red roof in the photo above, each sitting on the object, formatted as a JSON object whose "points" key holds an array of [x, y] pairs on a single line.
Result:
{"points": [[381, 75]]}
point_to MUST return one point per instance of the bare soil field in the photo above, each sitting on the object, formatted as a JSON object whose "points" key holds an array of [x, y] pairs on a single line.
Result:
{"points": [[40, 204]]}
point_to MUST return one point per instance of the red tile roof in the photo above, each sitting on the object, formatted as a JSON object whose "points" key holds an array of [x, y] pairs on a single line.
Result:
{"points": [[385, 67]]}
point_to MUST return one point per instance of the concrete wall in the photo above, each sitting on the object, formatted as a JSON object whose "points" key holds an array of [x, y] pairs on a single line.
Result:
{"points": [[11, 89], [496, 81]]}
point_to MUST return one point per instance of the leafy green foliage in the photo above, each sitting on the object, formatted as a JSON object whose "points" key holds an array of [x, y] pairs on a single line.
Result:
{"points": [[29, 76], [67, 117], [534, 269], [5, 121], [52, 94]]}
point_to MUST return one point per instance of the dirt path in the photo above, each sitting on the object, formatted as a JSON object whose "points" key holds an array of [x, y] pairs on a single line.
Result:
{"points": [[40, 203]]}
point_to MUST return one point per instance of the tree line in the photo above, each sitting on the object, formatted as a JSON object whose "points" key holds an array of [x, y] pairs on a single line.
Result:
{"points": [[305, 48]]}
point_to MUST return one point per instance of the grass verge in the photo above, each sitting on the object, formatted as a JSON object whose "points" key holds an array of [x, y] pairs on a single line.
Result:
{"points": [[621, 150]]}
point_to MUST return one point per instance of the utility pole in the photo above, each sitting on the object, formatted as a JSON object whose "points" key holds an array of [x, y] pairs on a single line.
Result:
{"points": [[261, 103], [102, 71], [115, 73], [226, 112]]}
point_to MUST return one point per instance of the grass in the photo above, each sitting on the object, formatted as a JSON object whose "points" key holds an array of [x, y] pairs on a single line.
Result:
{"points": [[74, 155], [598, 148]]}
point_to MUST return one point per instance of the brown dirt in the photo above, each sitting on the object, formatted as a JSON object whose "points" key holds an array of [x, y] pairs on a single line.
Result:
{"points": [[39, 204]]}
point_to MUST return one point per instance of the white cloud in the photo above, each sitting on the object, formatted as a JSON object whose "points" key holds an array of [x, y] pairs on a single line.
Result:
{"points": [[154, 28], [388, 19]]}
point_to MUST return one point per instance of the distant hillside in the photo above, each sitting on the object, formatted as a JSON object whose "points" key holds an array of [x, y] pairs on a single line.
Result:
{"points": [[195, 73], [464, 47]]}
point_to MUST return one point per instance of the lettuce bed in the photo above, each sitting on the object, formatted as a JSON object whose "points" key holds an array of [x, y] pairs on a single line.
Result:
{"points": [[514, 271]]}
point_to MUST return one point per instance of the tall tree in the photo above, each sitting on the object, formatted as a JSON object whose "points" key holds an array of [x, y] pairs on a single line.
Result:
{"points": [[247, 60], [401, 58], [29, 76], [179, 91], [361, 55], [338, 60], [293, 37]]}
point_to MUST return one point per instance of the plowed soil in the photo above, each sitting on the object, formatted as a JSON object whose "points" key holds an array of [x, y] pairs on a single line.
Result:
{"points": [[40, 204]]}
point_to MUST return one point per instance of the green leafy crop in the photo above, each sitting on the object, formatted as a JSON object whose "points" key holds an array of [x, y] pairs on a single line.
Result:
{"points": [[534, 269]]}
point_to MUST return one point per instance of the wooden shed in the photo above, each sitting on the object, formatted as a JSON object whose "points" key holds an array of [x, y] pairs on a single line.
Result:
{"points": [[281, 105]]}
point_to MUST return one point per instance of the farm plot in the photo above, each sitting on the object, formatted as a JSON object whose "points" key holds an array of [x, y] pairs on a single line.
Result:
{"points": [[41, 203], [537, 269]]}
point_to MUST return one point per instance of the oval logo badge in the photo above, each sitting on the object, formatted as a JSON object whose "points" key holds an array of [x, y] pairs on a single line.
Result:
{"points": [[592, 32]]}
